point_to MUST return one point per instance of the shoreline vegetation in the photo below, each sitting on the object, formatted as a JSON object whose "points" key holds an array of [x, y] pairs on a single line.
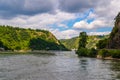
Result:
{"points": [[108, 48], [101, 52], [105, 54], [109, 54]]}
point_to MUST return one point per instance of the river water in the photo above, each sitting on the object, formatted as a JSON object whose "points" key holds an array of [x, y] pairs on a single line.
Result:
{"points": [[61, 66]]}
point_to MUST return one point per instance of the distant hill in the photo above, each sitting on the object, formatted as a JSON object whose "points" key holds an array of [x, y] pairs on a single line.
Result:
{"points": [[70, 43], [91, 41], [15, 38]]}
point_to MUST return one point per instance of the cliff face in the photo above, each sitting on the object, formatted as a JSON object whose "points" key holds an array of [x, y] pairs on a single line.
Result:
{"points": [[114, 40]]}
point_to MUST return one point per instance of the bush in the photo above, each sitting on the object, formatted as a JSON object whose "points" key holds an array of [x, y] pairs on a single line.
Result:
{"points": [[86, 52], [109, 53], [102, 43], [103, 53], [115, 53], [82, 52], [92, 52]]}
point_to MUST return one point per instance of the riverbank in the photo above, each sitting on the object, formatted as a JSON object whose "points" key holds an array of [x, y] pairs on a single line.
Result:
{"points": [[28, 52], [112, 54], [109, 54], [107, 58]]}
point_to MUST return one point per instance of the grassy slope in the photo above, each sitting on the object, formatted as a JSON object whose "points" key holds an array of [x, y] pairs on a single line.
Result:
{"points": [[73, 42]]}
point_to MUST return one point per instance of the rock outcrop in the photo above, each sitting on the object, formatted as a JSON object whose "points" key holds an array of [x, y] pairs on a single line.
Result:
{"points": [[114, 40]]}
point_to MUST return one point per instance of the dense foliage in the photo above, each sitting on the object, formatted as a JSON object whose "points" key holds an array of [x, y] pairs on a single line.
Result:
{"points": [[15, 38], [102, 43], [82, 40], [113, 53], [82, 50], [41, 44]]}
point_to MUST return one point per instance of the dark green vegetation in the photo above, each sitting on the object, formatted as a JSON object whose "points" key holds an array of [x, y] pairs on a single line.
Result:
{"points": [[82, 40], [40, 44], [82, 50], [86, 52], [113, 53], [14, 38], [102, 43]]}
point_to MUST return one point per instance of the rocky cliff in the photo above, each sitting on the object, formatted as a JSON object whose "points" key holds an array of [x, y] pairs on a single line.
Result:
{"points": [[114, 39]]}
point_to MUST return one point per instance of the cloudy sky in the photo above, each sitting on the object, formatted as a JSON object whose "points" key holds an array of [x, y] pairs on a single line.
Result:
{"points": [[64, 18]]}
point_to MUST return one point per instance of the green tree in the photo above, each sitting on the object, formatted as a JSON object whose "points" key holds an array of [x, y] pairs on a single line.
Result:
{"points": [[102, 44], [82, 40], [82, 50]]}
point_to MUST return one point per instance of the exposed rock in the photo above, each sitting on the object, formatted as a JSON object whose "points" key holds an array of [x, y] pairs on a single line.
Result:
{"points": [[114, 40]]}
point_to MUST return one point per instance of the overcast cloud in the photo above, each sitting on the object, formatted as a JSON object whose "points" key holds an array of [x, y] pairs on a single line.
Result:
{"points": [[64, 18]]}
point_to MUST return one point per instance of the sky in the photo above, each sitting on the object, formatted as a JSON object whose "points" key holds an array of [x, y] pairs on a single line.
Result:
{"points": [[64, 18]]}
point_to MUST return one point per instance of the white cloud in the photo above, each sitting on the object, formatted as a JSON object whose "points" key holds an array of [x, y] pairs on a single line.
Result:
{"points": [[108, 11], [66, 34], [103, 14], [93, 25], [40, 21]]}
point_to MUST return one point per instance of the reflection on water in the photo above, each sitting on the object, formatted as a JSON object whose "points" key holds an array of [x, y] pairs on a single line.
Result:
{"points": [[83, 64], [115, 66], [61, 66]]}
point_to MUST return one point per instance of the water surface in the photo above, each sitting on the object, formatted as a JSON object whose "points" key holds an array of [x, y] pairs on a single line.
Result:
{"points": [[61, 66]]}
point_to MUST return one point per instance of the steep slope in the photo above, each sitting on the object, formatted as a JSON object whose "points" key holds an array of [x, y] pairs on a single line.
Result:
{"points": [[114, 39], [26, 39], [91, 42], [70, 43]]}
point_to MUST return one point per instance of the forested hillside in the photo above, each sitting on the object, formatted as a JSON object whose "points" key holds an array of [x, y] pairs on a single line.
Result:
{"points": [[15, 38], [70, 43], [91, 41]]}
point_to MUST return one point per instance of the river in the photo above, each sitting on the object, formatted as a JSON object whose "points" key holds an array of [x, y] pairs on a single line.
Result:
{"points": [[61, 66]]}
